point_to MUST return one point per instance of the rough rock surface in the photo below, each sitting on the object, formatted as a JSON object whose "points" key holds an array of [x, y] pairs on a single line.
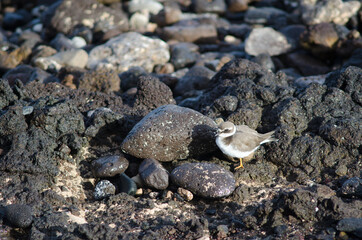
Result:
{"points": [[204, 179], [154, 174], [181, 132]]}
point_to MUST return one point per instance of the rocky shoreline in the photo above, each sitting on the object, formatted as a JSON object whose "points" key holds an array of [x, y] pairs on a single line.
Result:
{"points": [[108, 113]]}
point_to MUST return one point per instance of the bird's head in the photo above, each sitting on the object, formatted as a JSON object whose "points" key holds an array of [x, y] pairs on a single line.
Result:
{"points": [[226, 129]]}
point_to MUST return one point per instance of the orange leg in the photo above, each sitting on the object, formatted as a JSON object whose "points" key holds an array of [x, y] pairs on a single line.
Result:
{"points": [[241, 164]]}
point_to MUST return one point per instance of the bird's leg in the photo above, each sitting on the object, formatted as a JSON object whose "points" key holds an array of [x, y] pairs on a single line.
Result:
{"points": [[241, 164]]}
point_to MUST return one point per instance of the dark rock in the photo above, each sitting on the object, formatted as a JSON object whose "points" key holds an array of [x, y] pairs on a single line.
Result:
{"points": [[226, 104], [152, 93], [306, 64], [351, 225], [26, 74], [352, 187], [61, 43], [170, 133], [67, 14], [303, 204], [7, 96], [12, 121], [198, 34], [183, 54], [126, 185], [216, 6], [103, 80], [104, 189], [266, 16], [197, 78], [109, 166], [196, 178], [12, 20], [153, 174], [19, 215], [130, 78]]}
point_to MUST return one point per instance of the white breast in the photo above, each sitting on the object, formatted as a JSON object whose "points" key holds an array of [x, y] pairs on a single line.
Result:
{"points": [[231, 151]]}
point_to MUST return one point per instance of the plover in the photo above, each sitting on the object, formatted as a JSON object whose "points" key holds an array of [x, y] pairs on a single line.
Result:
{"points": [[240, 141]]}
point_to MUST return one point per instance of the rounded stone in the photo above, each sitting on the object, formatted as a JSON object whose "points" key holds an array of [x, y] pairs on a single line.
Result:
{"points": [[169, 133], [109, 166], [204, 179], [154, 174], [19, 215], [104, 189]]}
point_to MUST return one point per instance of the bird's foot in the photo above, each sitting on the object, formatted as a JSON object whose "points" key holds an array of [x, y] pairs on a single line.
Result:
{"points": [[241, 164]]}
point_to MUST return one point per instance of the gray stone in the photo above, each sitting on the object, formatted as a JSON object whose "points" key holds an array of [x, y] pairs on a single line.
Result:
{"points": [[169, 133], [19, 215], [183, 54], [268, 41], [153, 174], [130, 78], [109, 166], [120, 55], [204, 179], [204, 33], [352, 187], [216, 6], [336, 11], [350, 225], [266, 16], [104, 189], [68, 14]]}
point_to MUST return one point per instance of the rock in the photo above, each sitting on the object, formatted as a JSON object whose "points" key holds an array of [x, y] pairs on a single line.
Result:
{"points": [[170, 14], [306, 64], [183, 54], [12, 20], [139, 21], [216, 6], [305, 81], [119, 55], [66, 15], [351, 225], [204, 33], [265, 61], [222, 231], [303, 204], [226, 104], [151, 6], [62, 43], [26, 74], [352, 187], [104, 189], [266, 41], [152, 93], [19, 215], [14, 57], [126, 185], [204, 179], [185, 194], [197, 78], [72, 58], [78, 42], [130, 78], [337, 11], [238, 5], [321, 39], [170, 133], [103, 80], [266, 16], [7, 95], [153, 174], [109, 166]]}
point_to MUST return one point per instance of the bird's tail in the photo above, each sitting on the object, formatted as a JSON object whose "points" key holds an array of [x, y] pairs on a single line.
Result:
{"points": [[269, 137]]}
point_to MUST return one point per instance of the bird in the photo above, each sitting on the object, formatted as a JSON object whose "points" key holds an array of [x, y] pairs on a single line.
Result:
{"points": [[240, 141]]}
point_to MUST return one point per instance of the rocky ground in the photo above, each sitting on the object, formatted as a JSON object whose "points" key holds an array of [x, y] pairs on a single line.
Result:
{"points": [[108, 113]]}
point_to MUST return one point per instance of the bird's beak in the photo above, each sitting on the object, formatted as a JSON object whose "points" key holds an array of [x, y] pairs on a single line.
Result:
{"points": [[217, 132]]}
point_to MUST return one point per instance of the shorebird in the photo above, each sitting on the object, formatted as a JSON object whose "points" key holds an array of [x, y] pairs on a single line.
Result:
{"points": [[240, 141]]}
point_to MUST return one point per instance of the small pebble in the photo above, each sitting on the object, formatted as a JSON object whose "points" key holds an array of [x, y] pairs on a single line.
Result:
{"points": [[126, 184], [104, 189], [19, 215], [153, 174], [153, 195], [186, 194], [109, 166]]}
